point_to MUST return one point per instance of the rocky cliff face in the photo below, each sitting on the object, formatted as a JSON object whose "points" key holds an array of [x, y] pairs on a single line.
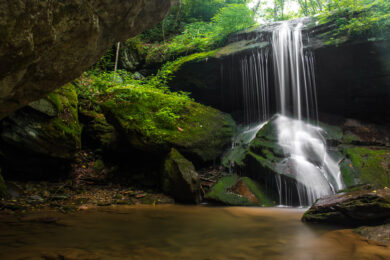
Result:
{"points": [[352, 78], [45, 44]]}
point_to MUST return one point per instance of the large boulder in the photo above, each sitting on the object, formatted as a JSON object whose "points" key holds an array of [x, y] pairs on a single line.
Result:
{"points": [[179, 178], [153, 122], [46, 44], [43, 135], [235, 191], [365, 207]]}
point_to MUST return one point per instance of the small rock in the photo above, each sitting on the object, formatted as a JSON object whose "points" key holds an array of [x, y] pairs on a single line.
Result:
{"points": [[36, 198]]}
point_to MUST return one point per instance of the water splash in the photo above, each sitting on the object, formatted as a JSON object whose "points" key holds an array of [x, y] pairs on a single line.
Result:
{"points": [[307, 161]]}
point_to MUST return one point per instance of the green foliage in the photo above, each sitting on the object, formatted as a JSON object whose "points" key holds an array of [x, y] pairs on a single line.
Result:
{"points": [[186, 12], [106, 63], [202, 36], [356, 19], [155, 107]]}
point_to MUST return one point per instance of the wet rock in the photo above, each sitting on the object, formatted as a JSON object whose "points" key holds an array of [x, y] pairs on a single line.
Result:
{"points": [[179, 178], [44, 135], [47, 44], [378, 233], [359, 133], [351, 208], [132, 55], [235, 191]]}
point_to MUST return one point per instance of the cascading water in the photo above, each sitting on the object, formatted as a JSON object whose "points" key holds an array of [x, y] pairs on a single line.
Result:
{"points": [[317, 173], [254, 70], [307, 161]]}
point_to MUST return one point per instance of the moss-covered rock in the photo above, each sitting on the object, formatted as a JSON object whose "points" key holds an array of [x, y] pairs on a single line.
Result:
{"points": [[47, 131], [153, 121], [236, 191], [370, 164], [352, 208], [97, 132], [179, 178]]}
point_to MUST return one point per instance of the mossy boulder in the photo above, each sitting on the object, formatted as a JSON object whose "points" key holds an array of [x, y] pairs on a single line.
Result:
{"points": [[43, 133], [153, 121], [235, 191], [261, 158], [97, 132], [179, 178], [370, 164], [351, 208]]}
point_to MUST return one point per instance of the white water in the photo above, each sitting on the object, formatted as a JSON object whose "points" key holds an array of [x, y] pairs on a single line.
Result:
{"points": [[303, 144], [254, 70], [306, 156]]}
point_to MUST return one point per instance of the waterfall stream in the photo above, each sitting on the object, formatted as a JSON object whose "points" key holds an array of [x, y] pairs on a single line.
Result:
{"points": [[303, 144]]}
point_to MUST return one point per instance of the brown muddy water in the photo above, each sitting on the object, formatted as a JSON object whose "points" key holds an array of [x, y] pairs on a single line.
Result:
{"points": [[180, 232]]}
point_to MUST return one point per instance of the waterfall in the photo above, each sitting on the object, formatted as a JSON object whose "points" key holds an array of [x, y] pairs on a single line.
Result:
{"points": [[254, 70], [304, 146]]}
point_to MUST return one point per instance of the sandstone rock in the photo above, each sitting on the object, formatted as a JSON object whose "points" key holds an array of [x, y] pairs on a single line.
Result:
{"points": [[46, 44], [179, 178], [378, 233], [352, 208]]}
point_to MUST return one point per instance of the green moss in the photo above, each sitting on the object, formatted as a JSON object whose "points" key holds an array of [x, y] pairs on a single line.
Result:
{"points": [[98, 165], [153, 119], [348, 172], [168, 69], [255, 188], [350, 138], [66, 125], [372, 165], [220, 192], [179, 178]]}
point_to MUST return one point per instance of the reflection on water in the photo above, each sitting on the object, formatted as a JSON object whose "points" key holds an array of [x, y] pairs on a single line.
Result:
{"points": [[180, 232]]}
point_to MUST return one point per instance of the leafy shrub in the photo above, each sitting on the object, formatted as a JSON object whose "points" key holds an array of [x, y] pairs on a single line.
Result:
{"points": [[358, 18]]}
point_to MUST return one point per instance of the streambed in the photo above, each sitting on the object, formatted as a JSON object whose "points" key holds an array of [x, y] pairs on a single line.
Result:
{"points": [[179, 232]]}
